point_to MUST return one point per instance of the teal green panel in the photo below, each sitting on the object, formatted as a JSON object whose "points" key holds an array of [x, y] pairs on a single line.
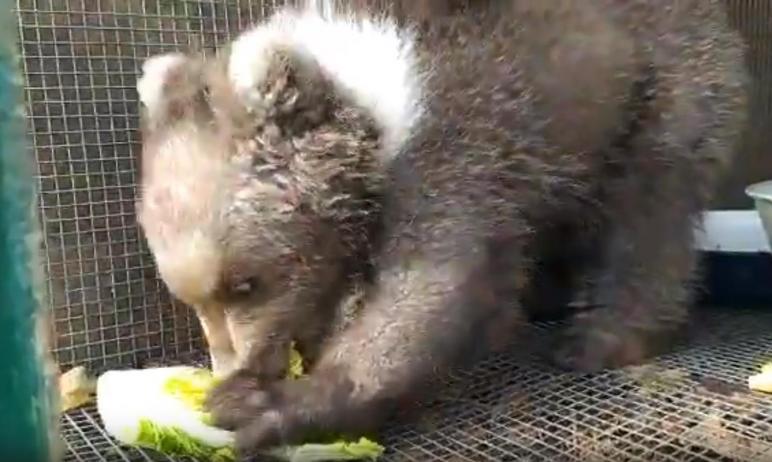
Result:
{"points": [[26, 402]]}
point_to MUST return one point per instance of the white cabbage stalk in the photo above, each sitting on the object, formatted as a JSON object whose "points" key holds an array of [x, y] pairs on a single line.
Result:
{"points": [[763, 381], [162, 409]]}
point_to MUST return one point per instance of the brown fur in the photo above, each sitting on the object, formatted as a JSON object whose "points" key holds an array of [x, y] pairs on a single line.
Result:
{"points": [[578, 139], [309, 183]]}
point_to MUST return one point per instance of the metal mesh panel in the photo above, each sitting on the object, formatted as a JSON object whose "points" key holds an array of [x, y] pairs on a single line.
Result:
{"points": [[81, 59], [690, 405]]}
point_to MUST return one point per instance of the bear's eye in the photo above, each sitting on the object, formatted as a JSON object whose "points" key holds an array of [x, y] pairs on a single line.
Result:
{"points": [[244, 287]]}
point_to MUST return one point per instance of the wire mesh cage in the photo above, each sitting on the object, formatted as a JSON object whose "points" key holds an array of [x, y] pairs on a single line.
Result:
{"points": [[81, 59]]}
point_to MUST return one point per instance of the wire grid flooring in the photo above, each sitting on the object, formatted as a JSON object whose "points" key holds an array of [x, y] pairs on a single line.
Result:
{"points": [[689, 405]]}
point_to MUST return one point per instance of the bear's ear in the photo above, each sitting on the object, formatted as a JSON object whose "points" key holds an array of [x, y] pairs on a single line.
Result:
{"points": [[158, 73], [278, 81], [296, 88]]}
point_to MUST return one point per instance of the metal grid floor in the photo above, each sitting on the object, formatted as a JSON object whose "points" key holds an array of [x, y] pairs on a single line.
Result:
{"points": [[690, 405]]}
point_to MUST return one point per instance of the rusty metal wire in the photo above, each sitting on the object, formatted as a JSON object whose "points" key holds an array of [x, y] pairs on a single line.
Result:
{"points": [[81, 59]]}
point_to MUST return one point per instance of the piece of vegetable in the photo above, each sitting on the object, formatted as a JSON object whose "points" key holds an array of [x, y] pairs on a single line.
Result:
{"points": [[763, 381], [355, 450], [160, 408], [295, 363], [175, 442], [76, 388], [163, 409]]}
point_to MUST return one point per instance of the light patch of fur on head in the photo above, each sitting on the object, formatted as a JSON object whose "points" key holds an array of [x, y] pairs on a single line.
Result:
{"points": [[372, 60], [190, 266], [155, 71], [184, 184]]}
